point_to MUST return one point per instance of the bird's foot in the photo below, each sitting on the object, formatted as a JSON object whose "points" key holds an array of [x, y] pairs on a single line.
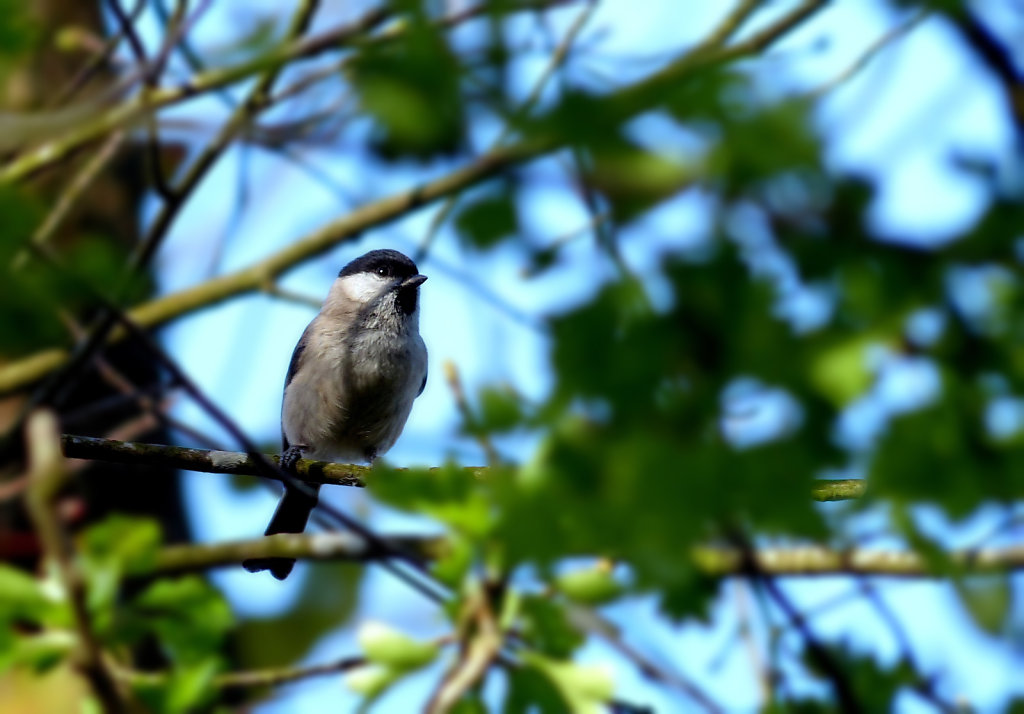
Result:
{"points": [[290, 458]]}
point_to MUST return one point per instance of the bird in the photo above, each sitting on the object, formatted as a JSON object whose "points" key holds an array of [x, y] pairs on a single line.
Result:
{"points": [[352, 380]]}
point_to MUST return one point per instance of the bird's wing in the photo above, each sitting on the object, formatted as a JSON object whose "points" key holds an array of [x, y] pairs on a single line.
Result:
{"points": [[293, 367]]}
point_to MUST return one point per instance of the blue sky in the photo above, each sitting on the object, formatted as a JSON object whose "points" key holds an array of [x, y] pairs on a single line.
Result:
{"points": [[917, 105]]}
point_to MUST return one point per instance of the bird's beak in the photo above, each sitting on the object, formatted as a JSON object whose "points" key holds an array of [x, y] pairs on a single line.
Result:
{"points": [[413, 282]]}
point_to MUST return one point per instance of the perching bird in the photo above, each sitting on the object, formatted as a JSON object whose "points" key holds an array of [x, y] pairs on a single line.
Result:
{"points": [[352, 380]]}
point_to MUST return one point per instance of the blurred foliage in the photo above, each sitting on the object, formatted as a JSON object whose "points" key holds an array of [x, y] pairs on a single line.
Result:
{"points": [[411, 86], [36, 298], [642, 452], [19, 32], [185, 617], [635, 462], [327, 600]]}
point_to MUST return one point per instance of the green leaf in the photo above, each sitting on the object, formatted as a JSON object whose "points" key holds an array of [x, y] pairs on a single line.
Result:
{"points": [[455, 562], [634, 179], [33, 291], [39, 652], [327, 599], [23, 597], [585, 688], [386, 646], [372, 680], [192, 685], [448, 493], [486, 220], [19, 29], [841, 372], [530, 691], [987, 599], [111, 548], [590, 586], [546, 627], [410, 85], [874, 686], [188, 615], [186, 688], [469, 704]]}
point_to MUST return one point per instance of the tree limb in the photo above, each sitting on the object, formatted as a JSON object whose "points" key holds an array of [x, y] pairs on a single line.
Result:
{"points": [[310, 546], [321, 472], [713, 561]]}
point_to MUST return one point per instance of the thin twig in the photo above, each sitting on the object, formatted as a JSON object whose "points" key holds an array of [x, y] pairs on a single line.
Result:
{"points": [[67, 198], [451, 375], [865, 58], [82, 129], [730, 25], [253, 678], [593, 622], [558, 58]]}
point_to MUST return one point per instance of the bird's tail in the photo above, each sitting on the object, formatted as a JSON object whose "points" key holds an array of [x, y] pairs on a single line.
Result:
{"points": [[291, 516]]}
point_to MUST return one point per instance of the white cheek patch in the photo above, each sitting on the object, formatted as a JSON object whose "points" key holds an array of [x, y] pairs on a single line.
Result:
{"points": [[363, 287]]}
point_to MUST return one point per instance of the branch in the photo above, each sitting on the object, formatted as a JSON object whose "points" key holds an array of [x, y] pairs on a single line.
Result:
{"points": [[23, 372], [216, 462], [997, 57], [712, 561], [480, 641], [813, 560], [872, 51], [643, 95], [592, 622], [88, 122], [334, 546], [252, 678], [321, 472]]}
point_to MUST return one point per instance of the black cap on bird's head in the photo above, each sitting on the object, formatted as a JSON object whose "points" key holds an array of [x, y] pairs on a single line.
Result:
{"points": [[386, 263], [392, 266]]}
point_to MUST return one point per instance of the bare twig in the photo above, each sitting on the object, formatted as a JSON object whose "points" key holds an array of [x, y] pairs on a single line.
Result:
{"points": [[593, 622], [869, 54], [67, 198], [999, 59], [846, 698], [451, 375], [253, 678]]}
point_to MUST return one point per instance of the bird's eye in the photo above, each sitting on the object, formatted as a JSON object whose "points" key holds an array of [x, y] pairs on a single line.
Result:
{"points": [[382, 272]]}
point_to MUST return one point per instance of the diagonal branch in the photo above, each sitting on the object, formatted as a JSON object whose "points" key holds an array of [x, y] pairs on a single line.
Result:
{"points": [[644, 94]]}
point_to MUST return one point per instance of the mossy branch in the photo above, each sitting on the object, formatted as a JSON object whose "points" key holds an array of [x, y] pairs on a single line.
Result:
{"points": [[713, 561], [322, 472]]}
